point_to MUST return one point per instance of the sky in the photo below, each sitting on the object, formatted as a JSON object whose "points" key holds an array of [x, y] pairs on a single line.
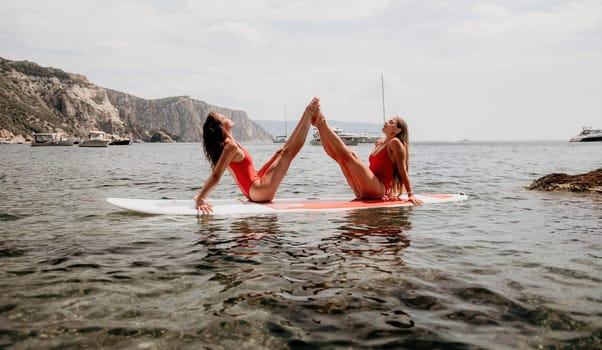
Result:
{"points": [[454, 69]]}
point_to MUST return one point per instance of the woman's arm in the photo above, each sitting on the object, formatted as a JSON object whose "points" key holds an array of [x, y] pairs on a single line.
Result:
{"points": [[399, 155], [218, 170]]}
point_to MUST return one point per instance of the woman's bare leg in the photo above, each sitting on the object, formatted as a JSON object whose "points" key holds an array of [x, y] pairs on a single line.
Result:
{"points": [[297, 139], [363, 182], [273, 172]]}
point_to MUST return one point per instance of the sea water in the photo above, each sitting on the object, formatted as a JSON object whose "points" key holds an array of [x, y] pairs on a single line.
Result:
{"points": [[508, 268]]}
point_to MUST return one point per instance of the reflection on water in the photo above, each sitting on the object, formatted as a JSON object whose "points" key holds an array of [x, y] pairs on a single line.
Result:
{"points": [[378, 234], [358, 233], [341, 297], [319, 292]]}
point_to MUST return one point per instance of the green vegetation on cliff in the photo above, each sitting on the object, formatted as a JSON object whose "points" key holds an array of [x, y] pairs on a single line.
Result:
{"points": [[32, 69], [22, 110]]}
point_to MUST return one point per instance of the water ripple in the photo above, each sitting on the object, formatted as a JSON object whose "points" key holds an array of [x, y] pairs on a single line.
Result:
{"points": [[507, 269]]}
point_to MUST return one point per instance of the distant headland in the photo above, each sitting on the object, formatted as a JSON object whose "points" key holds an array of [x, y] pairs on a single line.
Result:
{"points": [[35, 99]]}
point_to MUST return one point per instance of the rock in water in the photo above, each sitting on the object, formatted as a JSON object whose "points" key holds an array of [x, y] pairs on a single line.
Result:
{"points": [[589, 182]]}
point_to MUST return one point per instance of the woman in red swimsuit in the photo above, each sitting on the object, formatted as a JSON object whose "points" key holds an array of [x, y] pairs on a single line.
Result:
{"points": [[387, 174], [223, 152]]}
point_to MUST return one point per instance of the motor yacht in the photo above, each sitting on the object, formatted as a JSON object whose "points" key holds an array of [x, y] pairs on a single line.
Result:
{"points": [[588, 134]]}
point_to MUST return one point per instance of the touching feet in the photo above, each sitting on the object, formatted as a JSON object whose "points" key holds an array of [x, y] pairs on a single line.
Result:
{"points": [[312, 108], [318, 118]]}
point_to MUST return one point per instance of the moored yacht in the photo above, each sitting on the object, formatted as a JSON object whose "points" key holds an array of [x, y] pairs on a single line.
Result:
{"points": [[588, 134], [280, 139], [349, 139], [120, 141], [95, 139], [368, 138], [51, 139]]}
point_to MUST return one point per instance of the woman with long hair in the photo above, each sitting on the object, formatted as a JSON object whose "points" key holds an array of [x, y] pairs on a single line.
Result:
{"points": [[223, 152], [386, 176]]}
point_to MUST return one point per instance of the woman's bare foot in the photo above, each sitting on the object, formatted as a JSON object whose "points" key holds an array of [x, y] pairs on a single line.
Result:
{"points": [[312, 108], [318, 118]]}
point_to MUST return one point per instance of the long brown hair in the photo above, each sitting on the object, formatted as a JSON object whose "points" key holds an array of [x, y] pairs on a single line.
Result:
{"points": [[213, 139], [404, 137]]}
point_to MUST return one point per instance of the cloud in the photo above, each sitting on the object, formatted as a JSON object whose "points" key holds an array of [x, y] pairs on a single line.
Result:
{"points": [[229, 10], [490, 10], [519, 41], [558, 23], [111, 44], [241, 31], [327, 10], [286, 10]]}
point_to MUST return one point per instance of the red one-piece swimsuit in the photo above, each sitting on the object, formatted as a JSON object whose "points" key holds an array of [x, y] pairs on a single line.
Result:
{"points": [[383, 167], [244, 172]]}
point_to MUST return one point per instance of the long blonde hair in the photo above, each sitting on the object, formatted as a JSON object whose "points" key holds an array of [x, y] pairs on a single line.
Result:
{"points": [[404, 137]]}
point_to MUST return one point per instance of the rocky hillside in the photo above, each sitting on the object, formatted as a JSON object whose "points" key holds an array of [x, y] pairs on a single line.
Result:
{"points": [[43, 99]]}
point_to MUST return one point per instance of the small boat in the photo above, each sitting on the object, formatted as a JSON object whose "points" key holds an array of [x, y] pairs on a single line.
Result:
{"points": [[51, 139], [119, 141], [588, 134], [95, 139], [368, 138], [348, 138], [280, 139]]}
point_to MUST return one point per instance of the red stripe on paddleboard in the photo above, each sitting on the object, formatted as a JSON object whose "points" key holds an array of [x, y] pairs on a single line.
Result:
{"points": [[436, 195], [336, 205], [322, 204]]}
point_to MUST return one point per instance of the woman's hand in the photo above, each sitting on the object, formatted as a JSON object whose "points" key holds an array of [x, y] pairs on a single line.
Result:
{"points": [[206, 208], [414, 200]]}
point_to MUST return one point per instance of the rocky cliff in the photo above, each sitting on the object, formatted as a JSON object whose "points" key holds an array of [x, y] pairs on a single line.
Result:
{"points": [[43, 99]]}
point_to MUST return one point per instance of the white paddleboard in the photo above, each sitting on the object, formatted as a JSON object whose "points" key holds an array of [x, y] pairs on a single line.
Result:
{"points": [[242, 207]]}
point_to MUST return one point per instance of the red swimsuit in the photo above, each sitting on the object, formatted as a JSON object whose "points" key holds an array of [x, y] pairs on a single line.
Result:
{"points": [[383, 167], [245, 174]]}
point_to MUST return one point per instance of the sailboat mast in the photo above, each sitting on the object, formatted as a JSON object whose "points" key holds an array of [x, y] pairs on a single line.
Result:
{"points": [[382, 87], [285, 129]]}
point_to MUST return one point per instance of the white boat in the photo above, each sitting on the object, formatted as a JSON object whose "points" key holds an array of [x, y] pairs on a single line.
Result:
{"points": [[119, 141], [347, 138], [51, 139], [368, 138], [588, 134], [282, 139], [95, 139]]}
